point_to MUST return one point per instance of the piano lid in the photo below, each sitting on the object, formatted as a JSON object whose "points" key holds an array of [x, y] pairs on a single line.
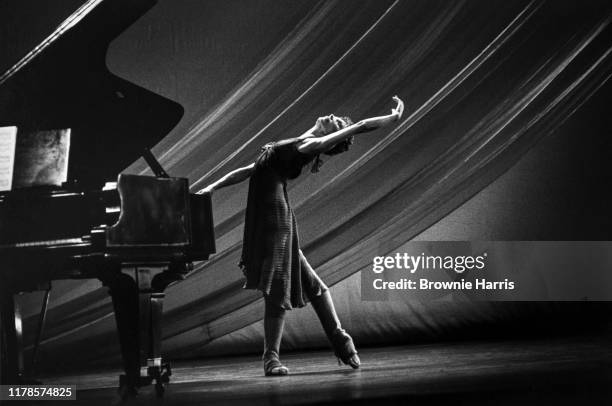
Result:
{"points": [[64, 83]]}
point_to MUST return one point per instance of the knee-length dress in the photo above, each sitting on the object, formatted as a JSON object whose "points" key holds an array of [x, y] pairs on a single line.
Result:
{"points": [[271, 257]]}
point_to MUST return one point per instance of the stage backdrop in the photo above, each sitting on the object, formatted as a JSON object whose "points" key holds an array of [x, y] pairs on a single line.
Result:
{"points": [[488, 86]]}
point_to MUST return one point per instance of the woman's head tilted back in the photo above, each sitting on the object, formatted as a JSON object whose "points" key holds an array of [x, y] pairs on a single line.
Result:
{"points": [[327, 125]]}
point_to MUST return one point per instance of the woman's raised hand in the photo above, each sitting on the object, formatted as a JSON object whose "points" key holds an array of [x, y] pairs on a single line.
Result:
{"points": [[373, 123], [399, 109]]}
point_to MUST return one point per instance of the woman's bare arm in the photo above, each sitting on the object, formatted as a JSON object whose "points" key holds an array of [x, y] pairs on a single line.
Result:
{"points": [[235, 176], [317, 145]]}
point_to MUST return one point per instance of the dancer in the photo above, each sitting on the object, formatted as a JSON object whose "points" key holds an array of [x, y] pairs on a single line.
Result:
{"points": [[271, 257]]}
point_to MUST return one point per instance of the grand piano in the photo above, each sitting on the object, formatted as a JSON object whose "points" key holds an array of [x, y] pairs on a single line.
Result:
{"points": [[137, 234]]}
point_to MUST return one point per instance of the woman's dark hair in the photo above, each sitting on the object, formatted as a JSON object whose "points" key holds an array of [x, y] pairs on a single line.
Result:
{"points": [[336, 149]]}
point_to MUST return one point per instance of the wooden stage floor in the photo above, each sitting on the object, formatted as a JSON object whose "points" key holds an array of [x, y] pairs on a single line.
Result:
{"points": [[559, 371]]}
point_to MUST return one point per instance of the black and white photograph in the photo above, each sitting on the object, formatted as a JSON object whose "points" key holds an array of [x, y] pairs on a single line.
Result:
{"points": [[306, 202]]}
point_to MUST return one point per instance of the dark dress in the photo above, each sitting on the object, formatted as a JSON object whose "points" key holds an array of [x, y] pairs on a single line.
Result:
{"points": [[271, 258]]}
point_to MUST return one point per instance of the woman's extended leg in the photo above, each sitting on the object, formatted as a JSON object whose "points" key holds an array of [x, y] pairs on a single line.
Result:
{"points": [[274, 321], [322, 302], [340, 340]]}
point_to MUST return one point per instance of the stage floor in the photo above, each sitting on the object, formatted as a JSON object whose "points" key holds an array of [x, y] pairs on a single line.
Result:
{"points": [[519, 372]]}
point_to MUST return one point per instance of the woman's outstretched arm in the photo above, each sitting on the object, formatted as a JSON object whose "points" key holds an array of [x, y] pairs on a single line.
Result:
{"points": [[317, 145], [235, 176]]}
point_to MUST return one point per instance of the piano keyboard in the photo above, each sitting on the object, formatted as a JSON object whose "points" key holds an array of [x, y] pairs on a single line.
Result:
{"points": [[64, 241]]}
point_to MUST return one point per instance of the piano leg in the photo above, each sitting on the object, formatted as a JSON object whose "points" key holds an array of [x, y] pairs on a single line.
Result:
{"points": [[151, 301], [138, 297], [10, 340], [124, 292], [156, 369]]}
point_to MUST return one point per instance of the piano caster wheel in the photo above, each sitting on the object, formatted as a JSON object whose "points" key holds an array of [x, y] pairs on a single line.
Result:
{"points": [[161, 376]]}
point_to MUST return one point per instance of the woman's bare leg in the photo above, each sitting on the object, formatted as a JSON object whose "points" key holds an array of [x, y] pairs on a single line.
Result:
{"points": [[274, 322], [326, 312]]}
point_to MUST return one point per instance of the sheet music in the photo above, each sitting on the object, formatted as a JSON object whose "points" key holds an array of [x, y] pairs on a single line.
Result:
{"points": [[8, 137], [41, 158]]}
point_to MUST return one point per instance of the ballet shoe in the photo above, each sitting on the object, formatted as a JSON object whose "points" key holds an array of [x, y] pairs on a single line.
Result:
{"points": [[272, 364], [344, 349]]}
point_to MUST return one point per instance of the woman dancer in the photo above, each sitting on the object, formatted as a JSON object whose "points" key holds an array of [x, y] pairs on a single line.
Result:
{"points": [[271, 257]]}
